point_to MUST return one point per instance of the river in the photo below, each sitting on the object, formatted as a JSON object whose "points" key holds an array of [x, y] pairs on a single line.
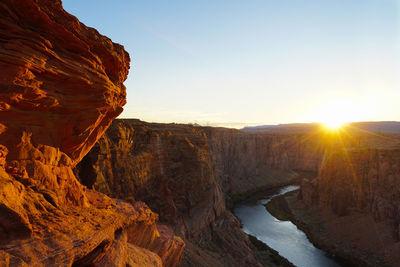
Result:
{"points": [[283, 236]]}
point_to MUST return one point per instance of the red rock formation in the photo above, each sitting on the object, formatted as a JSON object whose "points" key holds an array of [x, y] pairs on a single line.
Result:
{"points": [[60, 88]]}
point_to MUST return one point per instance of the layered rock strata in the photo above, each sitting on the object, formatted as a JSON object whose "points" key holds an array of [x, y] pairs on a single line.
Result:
{"points": [[248, 162], [360, 187], [60, 88], [361, 179]]}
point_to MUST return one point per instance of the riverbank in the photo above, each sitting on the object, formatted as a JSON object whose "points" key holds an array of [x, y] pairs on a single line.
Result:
{"points": [[267, 254], [346, 238], [284, 237], [262, 251], [260, 190]]}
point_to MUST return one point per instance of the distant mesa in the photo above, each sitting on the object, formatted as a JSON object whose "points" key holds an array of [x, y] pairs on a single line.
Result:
{"points": [[368, 126]]}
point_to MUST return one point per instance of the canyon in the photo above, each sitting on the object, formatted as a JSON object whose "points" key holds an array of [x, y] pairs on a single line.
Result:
{"points": [[192, 176], [183, 173]]}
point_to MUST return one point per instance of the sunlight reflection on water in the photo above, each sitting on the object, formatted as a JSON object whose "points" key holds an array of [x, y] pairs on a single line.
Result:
{"points": [[283, 236]]}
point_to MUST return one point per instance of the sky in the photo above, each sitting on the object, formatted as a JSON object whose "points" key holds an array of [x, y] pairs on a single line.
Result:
{"points": [[252, 62]]}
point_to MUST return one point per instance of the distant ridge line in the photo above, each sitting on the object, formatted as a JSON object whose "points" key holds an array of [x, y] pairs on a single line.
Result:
{"points": [[371, 126]]}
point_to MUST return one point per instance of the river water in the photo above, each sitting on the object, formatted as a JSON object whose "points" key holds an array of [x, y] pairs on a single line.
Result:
{"points": [[283, 236]]}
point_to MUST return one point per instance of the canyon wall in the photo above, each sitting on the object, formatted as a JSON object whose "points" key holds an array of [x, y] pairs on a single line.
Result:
{"points": [[245, 162], [169, 167], [165, 165], [61, 85], [367, 180], [360, 186], [186, 173]]}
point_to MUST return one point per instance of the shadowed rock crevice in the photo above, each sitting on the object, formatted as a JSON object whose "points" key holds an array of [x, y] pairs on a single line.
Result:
{"points": [[94, 256], [87, 174], [12, 225]]}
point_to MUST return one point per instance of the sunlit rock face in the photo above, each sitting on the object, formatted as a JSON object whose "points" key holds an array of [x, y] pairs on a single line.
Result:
{"points": [[59, 75], [61, 85]]}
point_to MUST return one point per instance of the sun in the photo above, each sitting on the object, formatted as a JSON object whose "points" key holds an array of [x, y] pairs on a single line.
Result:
{"points": [[336, 114], [333, 125]]}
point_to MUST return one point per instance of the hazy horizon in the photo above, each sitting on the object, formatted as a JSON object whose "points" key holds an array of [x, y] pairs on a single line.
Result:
{"points": [[240, 125], [255, 62]]}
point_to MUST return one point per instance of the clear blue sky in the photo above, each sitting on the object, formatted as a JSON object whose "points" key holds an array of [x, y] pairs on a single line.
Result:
{"points": [[254, 61]]}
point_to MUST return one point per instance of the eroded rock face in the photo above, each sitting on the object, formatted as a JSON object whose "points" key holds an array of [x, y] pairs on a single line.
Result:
{"points": [[61, 85], [361, 176], [358, 179], [59, 75]]}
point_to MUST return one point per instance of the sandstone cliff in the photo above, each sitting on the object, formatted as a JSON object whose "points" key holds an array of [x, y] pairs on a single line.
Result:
{"points": [[60, 88], [366, 180], [361, 187]]}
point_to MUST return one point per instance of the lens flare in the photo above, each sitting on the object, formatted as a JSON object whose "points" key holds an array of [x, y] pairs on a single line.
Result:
{"points": [[333, 125]]}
